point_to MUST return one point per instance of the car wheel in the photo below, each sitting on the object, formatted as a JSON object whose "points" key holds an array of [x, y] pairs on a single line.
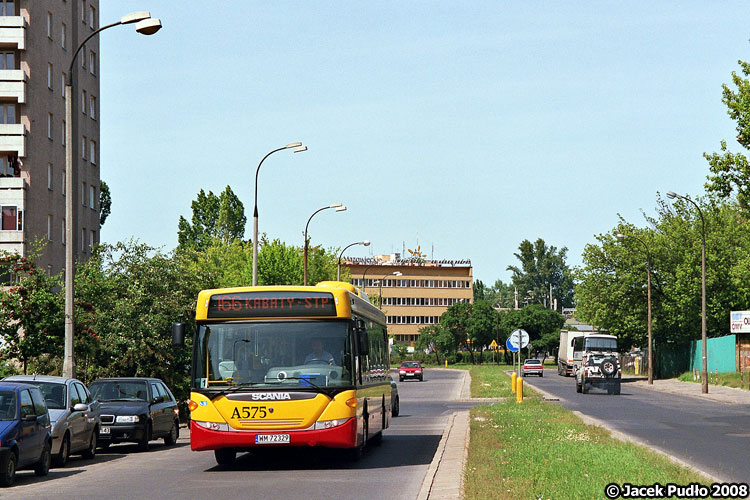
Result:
{"points": [[616, 390], [8, 474], [609, 366], [401, 379], [143, 443], [583, 386], [104, 445], [541, 374], [90, 452], [42, 466], [225, 456], [174, 433], [395, 408], [578, 386], [61, 458]]}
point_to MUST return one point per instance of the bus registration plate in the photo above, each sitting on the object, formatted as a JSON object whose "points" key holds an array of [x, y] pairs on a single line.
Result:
{"points": [[271, 438]]}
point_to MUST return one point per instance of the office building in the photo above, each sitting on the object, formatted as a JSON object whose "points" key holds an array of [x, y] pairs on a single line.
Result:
{"points": [[417, 296], [37, 40]]}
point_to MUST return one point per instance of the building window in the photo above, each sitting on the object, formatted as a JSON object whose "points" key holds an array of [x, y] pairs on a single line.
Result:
{"points": [[64, 36], [62, 189], [62, 85], [92, 17], [7, 8], [83, 147], [49, 75], [62, 238], [92, 239], [83, 11], [83, 101], [8, 60], [49, 126], [49, 227], [49, 25], [11, 218], [92, 62], [92, 152], [64, 132], [92, 197], [83, 239], [83, 194], [49, 176], [7, 113], [92, 107]]}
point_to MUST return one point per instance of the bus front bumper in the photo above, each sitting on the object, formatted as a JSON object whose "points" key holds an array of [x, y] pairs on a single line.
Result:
{"points": [[342, 436]]}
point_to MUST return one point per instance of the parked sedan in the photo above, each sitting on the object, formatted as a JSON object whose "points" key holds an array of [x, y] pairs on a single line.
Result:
{"points": [[136, 410], [25, 440], [532, 367], [73, 412], [410, 369]]}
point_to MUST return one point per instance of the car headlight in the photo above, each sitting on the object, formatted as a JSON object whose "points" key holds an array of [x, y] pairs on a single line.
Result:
{"points": [[402, 372], [126, 419]]}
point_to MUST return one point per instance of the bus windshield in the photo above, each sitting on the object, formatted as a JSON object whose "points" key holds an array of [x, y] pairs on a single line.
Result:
{"points": [[273, 354]]}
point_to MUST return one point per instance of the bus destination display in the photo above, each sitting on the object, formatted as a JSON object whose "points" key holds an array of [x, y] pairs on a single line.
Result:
{"points": [[271, 304]]}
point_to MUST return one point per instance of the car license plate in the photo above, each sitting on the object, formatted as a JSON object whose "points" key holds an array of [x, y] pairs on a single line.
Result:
{"points": [[410, 374], [104, 430], [271, 438]]}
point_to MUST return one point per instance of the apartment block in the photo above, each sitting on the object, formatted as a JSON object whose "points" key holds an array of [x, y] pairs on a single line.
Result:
{"points": [[412, 293], [37, 42]]}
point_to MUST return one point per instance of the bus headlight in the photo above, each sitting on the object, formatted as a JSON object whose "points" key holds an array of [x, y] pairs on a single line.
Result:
{"points": [[329, 424], [212, 426]]}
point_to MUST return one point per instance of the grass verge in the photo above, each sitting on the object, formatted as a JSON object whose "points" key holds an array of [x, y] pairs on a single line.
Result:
{"points": [[537, 450], [730, 379]]}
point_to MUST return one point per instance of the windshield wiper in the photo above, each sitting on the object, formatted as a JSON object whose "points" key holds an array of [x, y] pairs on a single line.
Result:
{"points": [[324, 390]]}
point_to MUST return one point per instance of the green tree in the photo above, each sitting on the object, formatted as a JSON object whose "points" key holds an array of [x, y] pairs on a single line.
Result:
{"points": [[105, 202], [731, 171], [214, 217], [31, 313], [437, 339], [279, 264], [483, 325], [542, 267], [456, 320]]}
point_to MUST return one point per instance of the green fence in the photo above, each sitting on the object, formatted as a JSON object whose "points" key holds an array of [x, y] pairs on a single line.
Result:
{"points": [[721, 354]]}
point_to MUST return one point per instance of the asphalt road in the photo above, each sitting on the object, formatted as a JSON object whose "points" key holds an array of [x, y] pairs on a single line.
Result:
{"points": [[713, 437], [393, 470]]}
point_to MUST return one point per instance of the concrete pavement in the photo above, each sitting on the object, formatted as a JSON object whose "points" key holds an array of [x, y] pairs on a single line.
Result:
{"points": [[444, 479]]}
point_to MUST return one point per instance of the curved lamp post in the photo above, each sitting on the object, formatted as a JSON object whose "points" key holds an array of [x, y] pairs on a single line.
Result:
{"points": [[704, 369], [338, 268], [296, 147], [380, 294], [621, 236], [339, 208], [146, 25]]}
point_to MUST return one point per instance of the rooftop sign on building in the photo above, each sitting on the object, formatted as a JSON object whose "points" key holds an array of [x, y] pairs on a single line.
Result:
{"points": [[739, 321]]}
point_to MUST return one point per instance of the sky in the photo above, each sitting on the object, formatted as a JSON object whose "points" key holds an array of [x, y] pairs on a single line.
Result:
{"points": [[461, 127]]}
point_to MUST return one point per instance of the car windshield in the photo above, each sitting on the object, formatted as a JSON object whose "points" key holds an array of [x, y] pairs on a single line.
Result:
{"points": [[601, 344], [119, 390], [410, 364], [55, 394], [7, 405], [273, 354], [533, 362]]}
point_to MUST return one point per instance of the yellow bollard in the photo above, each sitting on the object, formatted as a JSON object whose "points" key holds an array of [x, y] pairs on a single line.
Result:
{"points": [[513, 382], [519, 390], [446, 363]]}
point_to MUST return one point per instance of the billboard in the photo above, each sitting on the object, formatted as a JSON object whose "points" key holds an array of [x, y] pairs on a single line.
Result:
{"points": [[739, 321]]}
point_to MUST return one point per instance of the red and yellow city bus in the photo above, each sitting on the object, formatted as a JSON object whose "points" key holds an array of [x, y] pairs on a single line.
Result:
{"points": [[287, 366]]}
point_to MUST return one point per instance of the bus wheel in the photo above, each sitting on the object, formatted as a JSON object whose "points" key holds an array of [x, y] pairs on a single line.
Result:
{"points": [[225, 456]]}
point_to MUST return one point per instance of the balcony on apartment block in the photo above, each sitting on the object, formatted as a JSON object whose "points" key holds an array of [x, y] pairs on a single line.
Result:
{"points": [[13, 84], [13, 139], [12, 32]]}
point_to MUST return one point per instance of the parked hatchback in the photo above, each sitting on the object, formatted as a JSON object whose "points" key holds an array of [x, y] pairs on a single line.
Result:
{"points": [[25, 440], [410, 369], [136, 410], [73, 412]]}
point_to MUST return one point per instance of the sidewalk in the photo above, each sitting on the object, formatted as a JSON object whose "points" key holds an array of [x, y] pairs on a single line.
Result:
{"points": [[716, 393]]}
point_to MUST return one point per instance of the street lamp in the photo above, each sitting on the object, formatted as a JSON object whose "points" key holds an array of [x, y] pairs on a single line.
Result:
{"points": [[364, 274], [621, 236], [339, 208], [338, 268], [704, 341], [146, 25], [296, 147], [380, 294]]}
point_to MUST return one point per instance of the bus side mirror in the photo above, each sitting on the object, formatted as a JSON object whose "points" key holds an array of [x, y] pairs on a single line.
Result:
{"points": [[178, 334], [362, 338]]}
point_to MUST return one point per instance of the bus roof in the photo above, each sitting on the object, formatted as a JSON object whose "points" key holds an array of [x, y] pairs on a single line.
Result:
{"points": [[328, 299]]}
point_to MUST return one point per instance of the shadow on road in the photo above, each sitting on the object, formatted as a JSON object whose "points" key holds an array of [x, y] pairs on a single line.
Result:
{"points": [[395, 451]]}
